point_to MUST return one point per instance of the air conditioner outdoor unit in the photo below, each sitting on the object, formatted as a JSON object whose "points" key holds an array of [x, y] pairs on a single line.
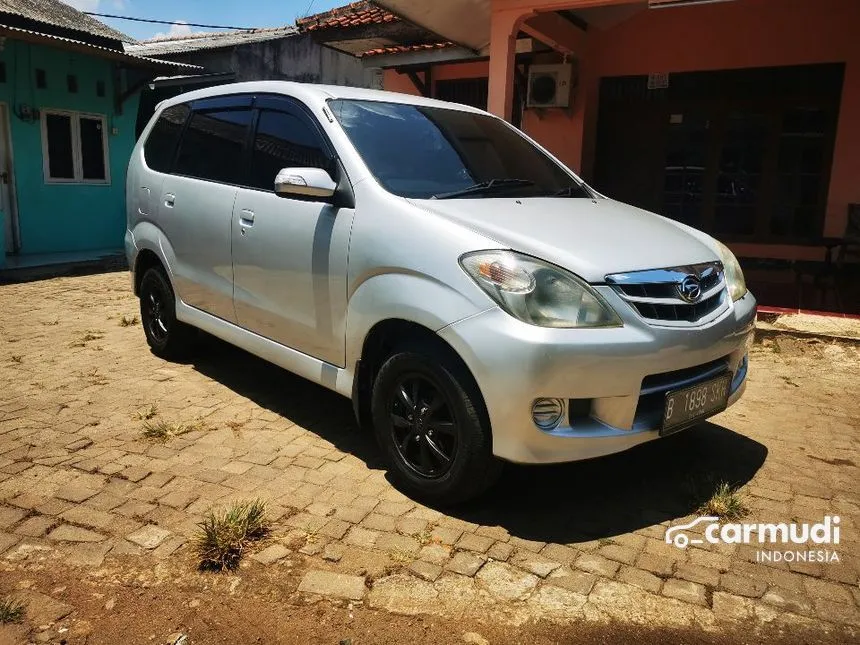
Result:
{"points": [[550, 86]]}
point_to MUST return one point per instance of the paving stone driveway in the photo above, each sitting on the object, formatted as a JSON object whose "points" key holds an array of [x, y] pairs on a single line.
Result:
{"points": [[77, 475]]}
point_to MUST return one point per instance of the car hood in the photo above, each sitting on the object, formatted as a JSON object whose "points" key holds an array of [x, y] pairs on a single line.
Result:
{"points": [[592, 238]]}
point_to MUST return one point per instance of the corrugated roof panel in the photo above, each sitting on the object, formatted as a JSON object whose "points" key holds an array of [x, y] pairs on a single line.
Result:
{"points": [[208, 40], [59, 14]]}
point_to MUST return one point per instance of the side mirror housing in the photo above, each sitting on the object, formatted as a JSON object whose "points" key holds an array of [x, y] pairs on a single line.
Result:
{"points": [[307, 183]]}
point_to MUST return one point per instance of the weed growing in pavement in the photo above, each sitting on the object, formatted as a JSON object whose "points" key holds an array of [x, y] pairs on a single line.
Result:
{"points": [[161, 430], [224, 535], [727, 503], [128, 321], [94, 377], [148, 413], [11, 611], [88, 336]]}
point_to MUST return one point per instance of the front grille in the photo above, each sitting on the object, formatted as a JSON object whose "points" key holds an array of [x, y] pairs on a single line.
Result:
{"points": [[656, 294]]}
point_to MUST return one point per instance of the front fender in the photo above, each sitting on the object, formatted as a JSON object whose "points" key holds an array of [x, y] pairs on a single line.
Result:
{"points": [[413, 297]]}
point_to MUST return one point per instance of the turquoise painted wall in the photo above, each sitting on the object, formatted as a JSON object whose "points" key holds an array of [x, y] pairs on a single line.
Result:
{"points": [[65, 217]]}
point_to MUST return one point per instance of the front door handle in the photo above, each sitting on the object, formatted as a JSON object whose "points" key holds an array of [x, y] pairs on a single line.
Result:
{"points": [[169, 200]]}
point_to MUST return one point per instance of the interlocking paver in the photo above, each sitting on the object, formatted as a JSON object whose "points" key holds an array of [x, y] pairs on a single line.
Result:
{"points": [[687, 591], [476, 543], [465, 563], [149, 536], [69, 533], [86, 473]]}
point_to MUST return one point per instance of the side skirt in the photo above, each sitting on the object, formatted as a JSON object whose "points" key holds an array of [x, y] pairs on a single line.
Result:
{"points": [[330, 376]]}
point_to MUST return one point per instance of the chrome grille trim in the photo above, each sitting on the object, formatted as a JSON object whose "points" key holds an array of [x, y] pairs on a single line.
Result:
{"points": [[655, 294]]}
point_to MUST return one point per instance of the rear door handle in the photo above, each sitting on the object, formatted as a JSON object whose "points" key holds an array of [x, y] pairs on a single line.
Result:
{"points": [[169, 200], [246, 218]]}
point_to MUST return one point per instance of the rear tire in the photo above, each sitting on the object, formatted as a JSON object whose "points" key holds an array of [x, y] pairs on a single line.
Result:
{"points": [[167, 337], [430, 423]]}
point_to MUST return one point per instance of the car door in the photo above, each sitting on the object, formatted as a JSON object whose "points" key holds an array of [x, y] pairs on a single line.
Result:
{"points": [[197, 197], [290, 255]]}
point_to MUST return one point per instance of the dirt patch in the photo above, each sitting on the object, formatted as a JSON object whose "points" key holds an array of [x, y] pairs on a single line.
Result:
{"points": [[256, 607], [824, 325]]}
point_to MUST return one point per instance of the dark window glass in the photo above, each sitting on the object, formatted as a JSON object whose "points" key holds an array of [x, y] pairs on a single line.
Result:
{"points": [[740, 173], [72, 83], [211, 147], [100, 88], [61, 164], [283, 141], [92, 148], [416, 151], [41, 79], [2, 71], [161, 144]]}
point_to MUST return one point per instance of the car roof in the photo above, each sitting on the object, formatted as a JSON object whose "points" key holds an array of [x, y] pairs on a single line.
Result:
{"points": [[314, 94]]}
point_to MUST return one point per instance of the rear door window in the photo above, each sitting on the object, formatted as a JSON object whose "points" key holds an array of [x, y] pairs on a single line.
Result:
{"points": [[160, 147], [212, 145]]}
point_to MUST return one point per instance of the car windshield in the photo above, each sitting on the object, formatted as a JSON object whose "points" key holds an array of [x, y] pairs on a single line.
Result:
{"points": [[429, 152]]}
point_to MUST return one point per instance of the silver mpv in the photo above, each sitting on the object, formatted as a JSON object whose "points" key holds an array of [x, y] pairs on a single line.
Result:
{"points": [[472, 296]]}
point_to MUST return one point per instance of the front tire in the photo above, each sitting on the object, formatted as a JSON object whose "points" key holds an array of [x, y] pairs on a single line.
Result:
{"points": [[167, 337], [430, 422]]}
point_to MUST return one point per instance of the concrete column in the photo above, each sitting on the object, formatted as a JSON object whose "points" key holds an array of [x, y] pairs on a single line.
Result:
{"points": [[504, 26]]}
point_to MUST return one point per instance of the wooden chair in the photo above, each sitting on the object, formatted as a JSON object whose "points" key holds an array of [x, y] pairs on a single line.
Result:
{"points": [[832, 275]]}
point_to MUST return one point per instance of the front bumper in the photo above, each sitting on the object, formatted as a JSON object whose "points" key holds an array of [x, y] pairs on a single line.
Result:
{"points": [[624, 372]]}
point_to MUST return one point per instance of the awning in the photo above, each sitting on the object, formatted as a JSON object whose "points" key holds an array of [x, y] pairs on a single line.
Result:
{"points": [[464, 22]]}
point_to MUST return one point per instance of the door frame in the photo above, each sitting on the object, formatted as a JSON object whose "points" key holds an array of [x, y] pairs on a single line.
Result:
{"points": [[6, 134]]}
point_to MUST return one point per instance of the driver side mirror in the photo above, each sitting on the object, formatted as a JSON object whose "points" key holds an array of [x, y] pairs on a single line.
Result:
{"points": [[312, 183]]}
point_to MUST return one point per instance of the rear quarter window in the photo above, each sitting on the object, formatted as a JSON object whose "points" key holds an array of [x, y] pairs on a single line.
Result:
{"points": [[160, 148]]}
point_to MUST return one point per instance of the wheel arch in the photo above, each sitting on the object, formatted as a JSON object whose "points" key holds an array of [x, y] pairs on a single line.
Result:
{"points": [[393, 334], [146, 259]]}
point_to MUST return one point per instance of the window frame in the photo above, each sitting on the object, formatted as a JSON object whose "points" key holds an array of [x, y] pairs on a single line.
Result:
{"points": [[292, 107], [77, 151], [256, 103]]}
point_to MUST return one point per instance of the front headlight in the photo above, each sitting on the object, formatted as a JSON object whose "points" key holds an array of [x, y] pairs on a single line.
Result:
{"points": [[537, 292], [732, 269]]}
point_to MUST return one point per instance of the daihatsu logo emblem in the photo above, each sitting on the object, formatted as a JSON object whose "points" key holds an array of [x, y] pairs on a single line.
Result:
{"points": [[690, 288]]}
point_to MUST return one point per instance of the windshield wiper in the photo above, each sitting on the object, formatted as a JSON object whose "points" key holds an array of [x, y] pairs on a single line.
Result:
{"points": [[576, 190], [485, 187]]}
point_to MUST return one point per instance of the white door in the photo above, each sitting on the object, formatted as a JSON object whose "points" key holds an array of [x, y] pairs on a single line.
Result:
{"points": [[7, 210]]}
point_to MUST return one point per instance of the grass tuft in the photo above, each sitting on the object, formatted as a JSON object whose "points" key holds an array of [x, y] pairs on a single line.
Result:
{"points": [[94, 377], [727, 503], [148, 413], [128, 321], [225, 534], [88, 336], [11, 611], [161, 430]]}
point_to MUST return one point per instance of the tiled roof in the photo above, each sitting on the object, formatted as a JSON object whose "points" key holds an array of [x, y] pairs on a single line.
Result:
{"points": [[404, 49], [343, 29], [95, 50], [59, 14], [351, 15], [208, 40]]}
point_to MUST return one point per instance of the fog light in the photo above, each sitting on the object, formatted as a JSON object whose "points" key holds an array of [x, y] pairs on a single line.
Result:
{"points": [[547, 413]]}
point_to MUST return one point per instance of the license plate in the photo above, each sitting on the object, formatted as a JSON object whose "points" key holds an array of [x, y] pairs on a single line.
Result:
{"points": [[685, 407]]}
